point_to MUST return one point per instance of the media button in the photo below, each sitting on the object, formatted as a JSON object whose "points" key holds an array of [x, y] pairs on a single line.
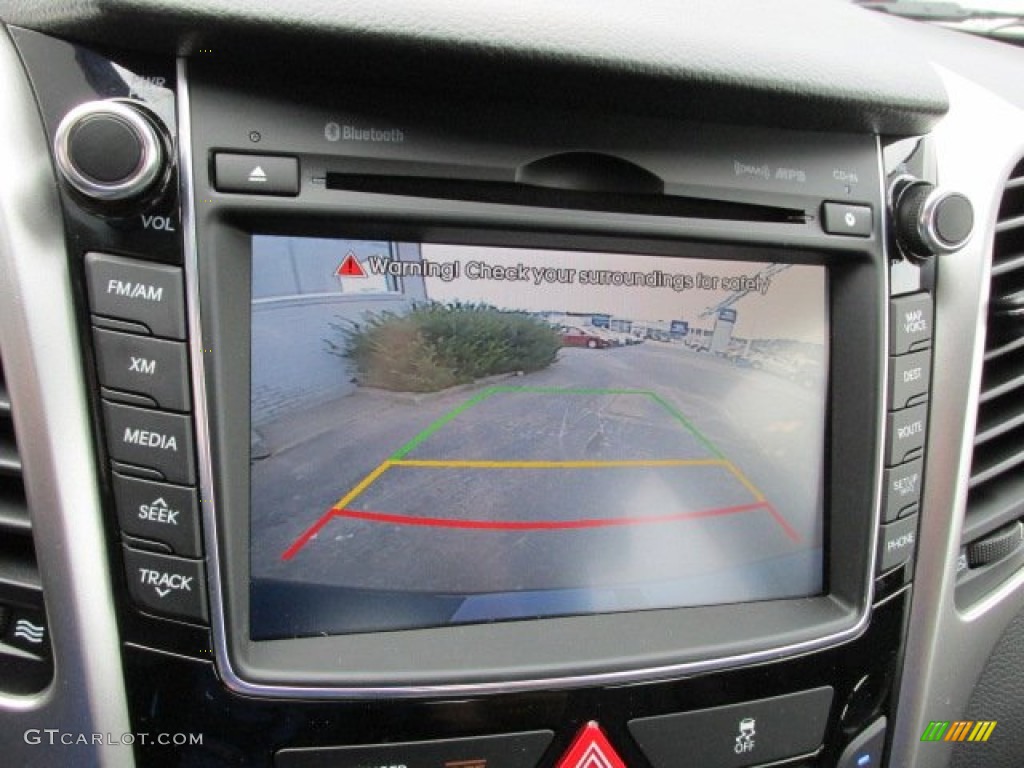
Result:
{"points": [[166, 585], [514, 750], [738, 735], [159, 512], [149, 295], [151, 439]]}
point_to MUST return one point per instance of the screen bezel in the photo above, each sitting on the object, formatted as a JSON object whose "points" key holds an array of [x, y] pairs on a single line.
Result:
{"points": [[560, 651]]}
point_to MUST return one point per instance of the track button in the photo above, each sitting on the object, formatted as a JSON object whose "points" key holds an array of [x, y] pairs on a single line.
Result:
{"points": [[166, 585]]}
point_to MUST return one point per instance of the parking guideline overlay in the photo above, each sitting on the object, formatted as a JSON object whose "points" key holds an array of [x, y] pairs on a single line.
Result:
{"points": [[397, 459]]}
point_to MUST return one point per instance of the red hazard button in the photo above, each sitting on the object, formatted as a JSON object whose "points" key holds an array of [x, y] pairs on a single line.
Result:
{"points": [[591, 749]]}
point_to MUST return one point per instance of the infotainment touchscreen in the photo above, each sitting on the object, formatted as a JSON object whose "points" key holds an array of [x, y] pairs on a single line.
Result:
{"points": [[452, 434]]}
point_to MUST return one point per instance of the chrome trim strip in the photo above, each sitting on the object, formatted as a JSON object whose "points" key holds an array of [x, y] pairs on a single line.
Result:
{"points": [[141, 178], [933, 687], [43, 365], [213, 567]]}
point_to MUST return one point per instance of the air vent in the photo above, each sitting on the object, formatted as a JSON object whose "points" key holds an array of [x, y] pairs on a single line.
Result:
{"points": [[995, 502], [25, 660]]}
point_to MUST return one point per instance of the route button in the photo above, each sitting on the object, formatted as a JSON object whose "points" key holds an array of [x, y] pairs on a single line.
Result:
{"points": [[905, 434], [165, 585]]}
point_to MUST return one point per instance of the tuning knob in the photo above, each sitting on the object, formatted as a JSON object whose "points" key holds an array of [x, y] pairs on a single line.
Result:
{"points": [[110, 152], [930, 220]]}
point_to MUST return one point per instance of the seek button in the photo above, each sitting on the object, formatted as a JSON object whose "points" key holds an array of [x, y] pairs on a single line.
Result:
{"points": [[159, 512]]}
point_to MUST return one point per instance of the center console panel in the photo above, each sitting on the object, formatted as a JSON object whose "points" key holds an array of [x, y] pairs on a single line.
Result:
{"points": [[163, 257]]}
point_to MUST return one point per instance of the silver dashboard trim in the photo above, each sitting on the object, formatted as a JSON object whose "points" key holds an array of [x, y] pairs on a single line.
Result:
{"points": [[43, 365], [931, 687], [209, 514]]}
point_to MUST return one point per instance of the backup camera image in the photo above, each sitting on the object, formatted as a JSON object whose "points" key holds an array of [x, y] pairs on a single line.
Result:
{"points": [[453, 434]]}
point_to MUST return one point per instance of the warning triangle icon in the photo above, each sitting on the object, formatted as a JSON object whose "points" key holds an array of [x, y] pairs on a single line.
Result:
{"points": [[591, 749], [350, 267]]}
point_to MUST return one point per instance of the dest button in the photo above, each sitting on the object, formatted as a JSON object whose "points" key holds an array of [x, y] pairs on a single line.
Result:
{"points": [[514, 750], [738, 735]]}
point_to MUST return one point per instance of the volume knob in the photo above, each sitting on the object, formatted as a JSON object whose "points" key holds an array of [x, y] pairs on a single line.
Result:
{"points": [[931, 220], [110, 151]]}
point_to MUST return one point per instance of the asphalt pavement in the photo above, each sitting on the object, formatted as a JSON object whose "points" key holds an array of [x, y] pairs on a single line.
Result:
{"points": [[647, 464]]}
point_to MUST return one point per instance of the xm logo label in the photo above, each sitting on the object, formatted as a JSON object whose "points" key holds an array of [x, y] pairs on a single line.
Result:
{"points": [[959, 730]]}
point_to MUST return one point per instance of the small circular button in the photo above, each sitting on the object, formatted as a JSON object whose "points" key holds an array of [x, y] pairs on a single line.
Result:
{"points": [[109, 151]]}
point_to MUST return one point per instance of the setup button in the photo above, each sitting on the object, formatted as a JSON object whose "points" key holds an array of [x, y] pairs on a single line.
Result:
{"points": [[753, 733]]}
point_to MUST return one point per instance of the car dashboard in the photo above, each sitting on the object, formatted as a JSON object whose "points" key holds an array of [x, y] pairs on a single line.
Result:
{"points": [[489, 386]]}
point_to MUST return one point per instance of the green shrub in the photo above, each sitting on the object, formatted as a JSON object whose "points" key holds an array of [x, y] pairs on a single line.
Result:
{"points": [[434, 346]]}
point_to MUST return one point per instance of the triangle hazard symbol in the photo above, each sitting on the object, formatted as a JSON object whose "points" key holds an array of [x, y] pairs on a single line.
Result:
{"points": [[591, 749], [350, 267]]}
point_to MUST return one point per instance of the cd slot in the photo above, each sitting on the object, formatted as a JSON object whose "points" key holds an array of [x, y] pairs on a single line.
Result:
{"points": [[520, 194]]}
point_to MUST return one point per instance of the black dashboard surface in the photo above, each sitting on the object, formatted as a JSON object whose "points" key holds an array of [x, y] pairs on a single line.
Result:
{"points": [[806, 63]]}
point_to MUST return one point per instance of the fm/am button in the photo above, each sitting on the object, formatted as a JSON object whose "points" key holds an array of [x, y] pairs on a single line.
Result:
{"points": [[136, 295], [151, 440]]}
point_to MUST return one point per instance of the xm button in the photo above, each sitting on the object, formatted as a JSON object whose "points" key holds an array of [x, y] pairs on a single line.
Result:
{"points": [[165, 585]]}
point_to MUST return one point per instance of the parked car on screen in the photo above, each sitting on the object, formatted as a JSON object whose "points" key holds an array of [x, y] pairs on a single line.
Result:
{"points": [[574, 336]]}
